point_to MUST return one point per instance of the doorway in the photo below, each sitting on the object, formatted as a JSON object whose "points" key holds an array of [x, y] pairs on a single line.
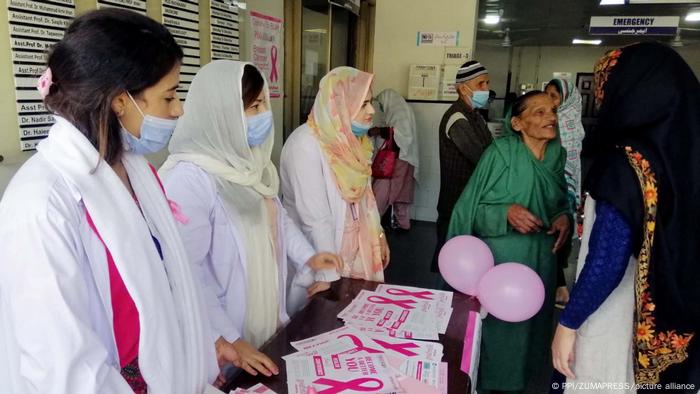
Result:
{"points": [[323, 35]]}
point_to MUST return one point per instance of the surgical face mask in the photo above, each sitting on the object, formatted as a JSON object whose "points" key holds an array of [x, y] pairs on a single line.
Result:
{"points": [[480, 98], [359, 129], [259, 128], [155, 133]]}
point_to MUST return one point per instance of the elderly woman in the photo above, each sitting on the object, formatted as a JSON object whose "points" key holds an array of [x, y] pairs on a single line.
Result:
{"points": [[636, 298], [568, 101], [396, 117], [516, 203]]}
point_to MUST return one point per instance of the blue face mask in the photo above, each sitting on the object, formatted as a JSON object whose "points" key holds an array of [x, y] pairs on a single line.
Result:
{"points": [[155, 133], [259, 128], [359, 129], [480, 98]]}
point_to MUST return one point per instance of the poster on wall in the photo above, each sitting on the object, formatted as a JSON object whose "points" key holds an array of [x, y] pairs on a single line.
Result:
{"points": [[224, 30], [34, 27], [133, 5], [437, 38], [181, 17], [265, 48]]}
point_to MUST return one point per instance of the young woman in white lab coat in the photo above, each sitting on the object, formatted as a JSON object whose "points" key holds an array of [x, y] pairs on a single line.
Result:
{"points": [[96, 293], [238, 236], [326, 176]]}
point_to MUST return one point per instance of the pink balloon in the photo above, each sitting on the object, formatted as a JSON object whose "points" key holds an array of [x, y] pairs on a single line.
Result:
{"points": [[463, 261], [512, 292]]}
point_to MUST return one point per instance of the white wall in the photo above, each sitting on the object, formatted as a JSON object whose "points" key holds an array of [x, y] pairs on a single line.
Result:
{"points": [[397, 22]]}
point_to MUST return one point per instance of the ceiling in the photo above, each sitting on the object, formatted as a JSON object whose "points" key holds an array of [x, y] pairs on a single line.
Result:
{"points": [[558, 22]]}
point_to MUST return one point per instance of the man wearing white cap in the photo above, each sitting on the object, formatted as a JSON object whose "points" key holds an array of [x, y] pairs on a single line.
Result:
{"points": [[463, 138]]}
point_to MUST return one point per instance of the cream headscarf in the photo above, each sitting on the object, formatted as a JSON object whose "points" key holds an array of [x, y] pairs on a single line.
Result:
{"points": [[212, 134], [341, 94]]}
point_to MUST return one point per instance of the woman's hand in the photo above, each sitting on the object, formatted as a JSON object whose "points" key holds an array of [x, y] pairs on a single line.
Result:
{"points": [[563, 350], [561, 225], [384, 246], [243, 355], [562, 295], [317, 287], [522, 220], [326, 261]]}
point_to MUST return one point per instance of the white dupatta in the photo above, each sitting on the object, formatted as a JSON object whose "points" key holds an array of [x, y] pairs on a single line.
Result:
{"points": [[212, 134], [176, 352]]}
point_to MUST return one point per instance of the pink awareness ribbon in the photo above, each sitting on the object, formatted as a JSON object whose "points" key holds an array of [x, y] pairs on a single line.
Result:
{"points": [[359, 346], [424, 295], [273, 59], [337, 386], [399, 347], [405, 304], [177, 212]]}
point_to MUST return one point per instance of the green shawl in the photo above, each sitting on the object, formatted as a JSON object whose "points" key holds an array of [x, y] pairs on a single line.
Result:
{"points": [[508, 173]]}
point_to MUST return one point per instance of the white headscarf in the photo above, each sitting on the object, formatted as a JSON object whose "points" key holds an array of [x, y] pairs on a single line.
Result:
{"points": [[393, 111], [212, 134]]}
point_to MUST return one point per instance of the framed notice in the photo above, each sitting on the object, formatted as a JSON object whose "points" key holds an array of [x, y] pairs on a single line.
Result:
{"points": [[35, 25], [436, 38], [181, 17], [224, 31], [133, 5], [265, 48]]}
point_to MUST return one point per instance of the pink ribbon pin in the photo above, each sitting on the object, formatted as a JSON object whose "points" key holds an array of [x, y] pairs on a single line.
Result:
{"points": [[273, 59], [177, 212], [424, 295], [399, 347], [359, 346], [337, 386], [405, 304]]}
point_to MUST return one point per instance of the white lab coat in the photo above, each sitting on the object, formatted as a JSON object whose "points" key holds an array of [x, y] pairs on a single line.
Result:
{"points": [[310, 194], [216, 249], [55, 307], [56, 328]]}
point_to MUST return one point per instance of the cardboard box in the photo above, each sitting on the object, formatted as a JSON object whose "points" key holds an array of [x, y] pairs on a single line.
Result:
{"points": [[420, 93], [472, 347], [455, 55], [448, 92], [449, 73], [424, 70], [417, 81]]}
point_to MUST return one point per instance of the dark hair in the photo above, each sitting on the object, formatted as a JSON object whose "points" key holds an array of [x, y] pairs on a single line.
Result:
{"points": [[555, 84], [103, 54], [520, 105], [253, 84]]}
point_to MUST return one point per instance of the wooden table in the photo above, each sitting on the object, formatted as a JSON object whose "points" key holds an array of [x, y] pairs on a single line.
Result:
{"points": [[319, 316]]}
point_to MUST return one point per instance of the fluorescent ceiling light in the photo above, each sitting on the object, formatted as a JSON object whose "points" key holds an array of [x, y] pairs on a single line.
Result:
{"points": [[612, 2], [693, 15], [492, 19], [320, 31], [586, 42]]}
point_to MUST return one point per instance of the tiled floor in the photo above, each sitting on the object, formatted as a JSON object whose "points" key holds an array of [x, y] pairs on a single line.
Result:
{"points": [[411, 255]]}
